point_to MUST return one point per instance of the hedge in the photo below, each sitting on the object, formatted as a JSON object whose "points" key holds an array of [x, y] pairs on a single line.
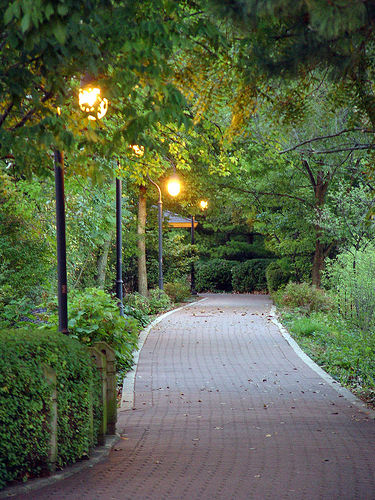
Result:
{"points": [[25, 401], [250, 276], [214, 275], [277, 275]]}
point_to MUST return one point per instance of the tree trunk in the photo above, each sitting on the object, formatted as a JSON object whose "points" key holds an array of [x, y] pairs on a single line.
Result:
{"points": [[141, 243], [320, 190], [102, 261], [318, 262]]}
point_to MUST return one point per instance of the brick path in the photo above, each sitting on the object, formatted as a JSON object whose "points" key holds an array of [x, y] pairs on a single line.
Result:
{"points": [[225, 409]]}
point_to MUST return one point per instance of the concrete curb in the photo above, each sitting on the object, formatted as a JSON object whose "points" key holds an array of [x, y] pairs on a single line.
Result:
{"points": [[97, 456], [317, 369], [127, 398]]}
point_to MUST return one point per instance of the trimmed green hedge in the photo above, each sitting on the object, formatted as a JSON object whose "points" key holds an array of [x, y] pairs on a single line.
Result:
{"points": [[250, 276], [277, 275], [25, 401], [214, 275]]}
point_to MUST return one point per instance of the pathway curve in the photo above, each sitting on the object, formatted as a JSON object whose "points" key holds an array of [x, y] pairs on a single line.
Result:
{"points": [[225, 409]]}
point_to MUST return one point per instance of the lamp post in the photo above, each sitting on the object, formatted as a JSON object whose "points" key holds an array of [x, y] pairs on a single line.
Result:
{"points": [[203, 204], [96, 107], [119, 281], [173, 189], [62, 287]]}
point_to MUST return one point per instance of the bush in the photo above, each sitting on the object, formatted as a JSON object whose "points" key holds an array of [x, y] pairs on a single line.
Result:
{"points": [[351, 276], [177, 291], [25, 401], [139, 302], [159, 301], [277, 275], [214, 275], [94, 316], [250, 276], [304, 296]]}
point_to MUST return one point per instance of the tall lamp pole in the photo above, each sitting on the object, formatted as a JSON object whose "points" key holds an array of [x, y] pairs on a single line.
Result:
{"points": [[192, 279], [173, 187], [203, 205], [119, 282], [62, 286], [95, 107], [160, 235]]}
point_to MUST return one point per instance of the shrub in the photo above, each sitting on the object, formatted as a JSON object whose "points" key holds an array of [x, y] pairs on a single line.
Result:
{"points": [[214, 275], [94, 316], [277, 275], [177, 291], [139, 302], [351, 276], [250, 276], [159, 301], [304, 296], [25, 401]]}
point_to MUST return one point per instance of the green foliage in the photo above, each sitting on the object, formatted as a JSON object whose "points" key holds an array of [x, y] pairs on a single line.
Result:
{"points": [[177, 291], [139, 302], [159, 301], [351, 276], [344, 352], [277, 275], [250, 276], [214, 275], [25, 252], [304, 296], [94, 316], [25, 401]]}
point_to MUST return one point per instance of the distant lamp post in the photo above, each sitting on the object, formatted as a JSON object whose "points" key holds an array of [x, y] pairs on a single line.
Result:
{"points": [[203, 205], [173, 188]]}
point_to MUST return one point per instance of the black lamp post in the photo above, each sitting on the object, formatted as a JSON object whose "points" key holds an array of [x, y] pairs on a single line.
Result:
{"points": [[203, 205], [173, 189], [96, 107], [160, 235], [192, 278], [119, 281], [62, 286]]}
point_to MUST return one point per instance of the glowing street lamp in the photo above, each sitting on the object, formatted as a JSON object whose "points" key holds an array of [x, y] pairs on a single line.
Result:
{"points": [[203, 204], [173, 187], [91, 102]]}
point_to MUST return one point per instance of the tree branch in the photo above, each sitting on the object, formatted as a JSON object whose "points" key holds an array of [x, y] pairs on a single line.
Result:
{"points": [[30, 113], [323, 137], [6, 113]]}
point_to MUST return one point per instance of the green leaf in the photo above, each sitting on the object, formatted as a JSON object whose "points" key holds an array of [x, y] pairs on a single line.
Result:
{"points": [[59, 30], [62, 10], [9, 14], [25, 22], [49, 11]]}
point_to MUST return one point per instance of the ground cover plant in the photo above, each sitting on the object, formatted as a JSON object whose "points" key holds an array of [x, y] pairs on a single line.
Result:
{"points": [[336, 344]]}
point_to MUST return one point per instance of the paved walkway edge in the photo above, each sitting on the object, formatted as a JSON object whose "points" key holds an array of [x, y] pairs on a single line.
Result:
{"points": [[127, 398], [317, 369], [97, 456]]}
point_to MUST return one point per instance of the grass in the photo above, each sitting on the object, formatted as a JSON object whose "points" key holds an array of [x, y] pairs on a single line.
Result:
{"points": [[346, 353]]}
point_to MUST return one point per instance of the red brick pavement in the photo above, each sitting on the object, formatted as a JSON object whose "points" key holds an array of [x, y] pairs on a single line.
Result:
{"points": [[225, 409]]}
